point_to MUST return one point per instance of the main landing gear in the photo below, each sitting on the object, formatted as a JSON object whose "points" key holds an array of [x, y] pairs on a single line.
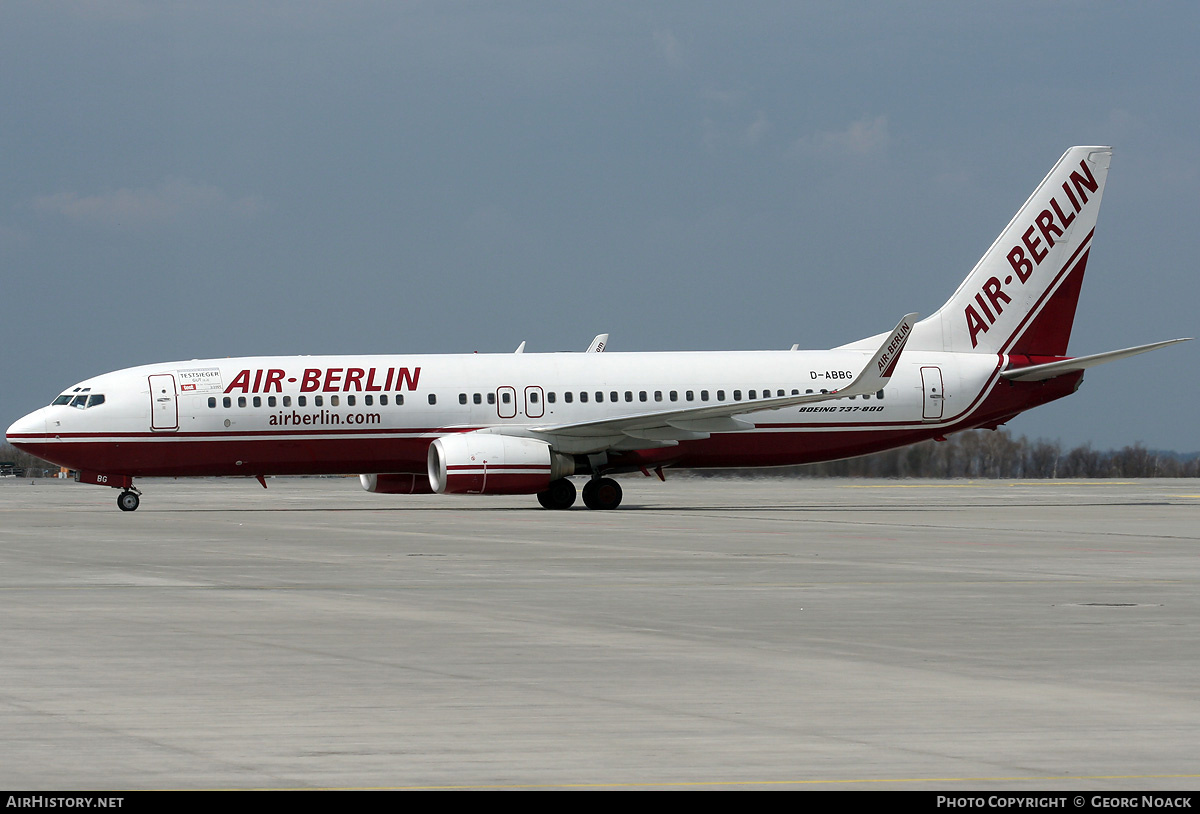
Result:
{"points": [[128, 501], [598, 493], [602, 493], [560, 495]]}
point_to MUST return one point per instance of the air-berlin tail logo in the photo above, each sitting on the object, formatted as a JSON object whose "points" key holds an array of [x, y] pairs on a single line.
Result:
{"points": [[1034, 247]]}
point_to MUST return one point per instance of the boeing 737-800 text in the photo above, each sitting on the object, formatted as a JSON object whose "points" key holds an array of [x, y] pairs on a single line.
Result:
{"points": [[525, 423]]}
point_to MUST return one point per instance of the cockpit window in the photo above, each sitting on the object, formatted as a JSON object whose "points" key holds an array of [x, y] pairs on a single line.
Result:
{"points": [[81, 401]]}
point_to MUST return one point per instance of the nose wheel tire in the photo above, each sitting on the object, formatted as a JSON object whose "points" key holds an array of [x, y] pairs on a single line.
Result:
{"points": [[128, 501], [560, 495], [602, 493]]}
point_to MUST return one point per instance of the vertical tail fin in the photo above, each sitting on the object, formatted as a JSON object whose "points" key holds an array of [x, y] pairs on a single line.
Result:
{"points": [[1021, 296]]}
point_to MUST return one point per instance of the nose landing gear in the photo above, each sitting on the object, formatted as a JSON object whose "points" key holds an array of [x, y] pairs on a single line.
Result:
{"points": [[128, 500]]}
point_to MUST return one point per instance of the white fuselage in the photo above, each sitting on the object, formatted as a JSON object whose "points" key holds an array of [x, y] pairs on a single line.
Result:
{"points": [[323, 414]]}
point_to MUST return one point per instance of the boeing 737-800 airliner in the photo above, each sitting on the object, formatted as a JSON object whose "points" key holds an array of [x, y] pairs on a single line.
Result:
{"points": [[525, 423]]}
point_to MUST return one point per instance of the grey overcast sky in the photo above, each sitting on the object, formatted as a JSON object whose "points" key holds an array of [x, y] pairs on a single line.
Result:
{"points": [[202, 179]]}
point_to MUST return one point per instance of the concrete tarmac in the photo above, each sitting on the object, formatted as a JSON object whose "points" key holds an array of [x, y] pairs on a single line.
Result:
{"points": [[708, 634]]}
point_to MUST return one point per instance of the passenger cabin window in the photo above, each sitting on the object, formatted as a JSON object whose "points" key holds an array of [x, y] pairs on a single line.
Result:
{"points": [[432, 398], [258, 401], [225, 402], [477, 398], [334, 401], [271, 402], [241, 401], [301, 401], [462, 398], [568, 397], [212, 401], [318, 401], [550, 397], [674, 395], [491, 398], [349, 401], [737, 395], [720, 395], [704, 395], [583, 396]]}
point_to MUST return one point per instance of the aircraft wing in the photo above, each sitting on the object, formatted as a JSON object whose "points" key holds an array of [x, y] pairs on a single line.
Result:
{"points": [[698, 422], [1037, 373]]}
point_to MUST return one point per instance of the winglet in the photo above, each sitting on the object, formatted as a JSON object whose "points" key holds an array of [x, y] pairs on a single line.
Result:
{"points": [[879, 370], [598, 344]]}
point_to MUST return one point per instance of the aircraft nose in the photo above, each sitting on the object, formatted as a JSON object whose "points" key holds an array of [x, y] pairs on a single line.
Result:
{"points": [[27, 428]]}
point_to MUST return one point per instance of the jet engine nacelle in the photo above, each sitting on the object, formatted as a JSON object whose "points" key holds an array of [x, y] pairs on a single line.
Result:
{"points": [[396, 484], [488, 464]]}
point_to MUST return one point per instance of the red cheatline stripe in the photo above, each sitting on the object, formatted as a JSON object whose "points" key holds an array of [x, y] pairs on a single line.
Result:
{"points": [[266, 434]]}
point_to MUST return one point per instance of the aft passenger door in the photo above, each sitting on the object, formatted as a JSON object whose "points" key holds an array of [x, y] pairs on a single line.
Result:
{"points": [[164, 408], [934, 399]]}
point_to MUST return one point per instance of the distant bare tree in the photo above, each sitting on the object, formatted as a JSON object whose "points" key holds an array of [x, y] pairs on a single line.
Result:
{"points": [[986, 454]]}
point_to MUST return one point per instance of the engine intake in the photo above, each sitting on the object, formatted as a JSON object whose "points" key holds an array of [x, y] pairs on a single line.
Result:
{"points": [[487, 464]]}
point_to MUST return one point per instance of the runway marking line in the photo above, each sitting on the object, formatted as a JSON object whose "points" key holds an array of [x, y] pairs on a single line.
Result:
{"points": [[974, 485]]}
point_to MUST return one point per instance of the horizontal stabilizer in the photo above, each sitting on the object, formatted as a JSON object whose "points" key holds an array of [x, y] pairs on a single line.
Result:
{"points": [[1038, 373]]}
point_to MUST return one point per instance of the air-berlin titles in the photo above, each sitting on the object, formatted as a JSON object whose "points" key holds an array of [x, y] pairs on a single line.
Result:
{"points": [[1035, 245], [327, 380], [887, 362]]}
